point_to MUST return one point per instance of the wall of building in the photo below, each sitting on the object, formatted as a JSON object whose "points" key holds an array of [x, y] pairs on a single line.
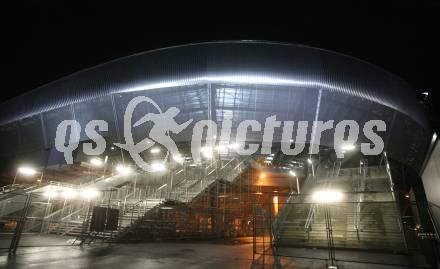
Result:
{"points": [[431, 181]]}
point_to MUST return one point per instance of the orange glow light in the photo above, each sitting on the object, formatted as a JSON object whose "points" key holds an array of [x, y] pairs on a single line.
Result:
{"points": [[275, 205]]}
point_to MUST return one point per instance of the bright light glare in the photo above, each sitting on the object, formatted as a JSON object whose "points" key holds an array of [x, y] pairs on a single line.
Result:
{"points": [[28, 171], [309, 161], [292, 173], [89, 193], [327, 196], [96, 162], [275, 205], [161, 187], [178, 158], [123, 170], [50, 194], [69, 194], [158, 167], [155, 150], [348, 147], [220, 148], [207, 152], [233, 146]]}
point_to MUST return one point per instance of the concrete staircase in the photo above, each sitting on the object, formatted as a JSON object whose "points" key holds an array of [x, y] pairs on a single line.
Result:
{"points": [[367, 218], [378, 227]]}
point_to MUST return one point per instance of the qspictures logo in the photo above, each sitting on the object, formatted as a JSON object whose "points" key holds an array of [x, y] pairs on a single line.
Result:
{"points": [[346, 134]]}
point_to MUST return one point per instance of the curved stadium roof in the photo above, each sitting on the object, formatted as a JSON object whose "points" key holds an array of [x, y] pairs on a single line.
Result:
{"points": [[237, 61], [283, 78]]}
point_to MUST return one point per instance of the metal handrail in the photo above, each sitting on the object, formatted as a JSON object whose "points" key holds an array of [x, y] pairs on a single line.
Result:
{"points": [[310, 217], [132, 211], [185, 193], [360, 189], [357, 218], [235, 171], [283, 214], [74, 213], [58, 212], [390, 178]]}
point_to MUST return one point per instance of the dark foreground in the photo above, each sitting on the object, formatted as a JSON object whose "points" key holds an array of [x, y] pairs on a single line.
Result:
{"points": [[58, 253], [148, 255]]}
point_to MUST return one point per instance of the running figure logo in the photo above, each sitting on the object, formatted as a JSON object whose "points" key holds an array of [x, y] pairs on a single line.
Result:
{"points": [[164, 123]]}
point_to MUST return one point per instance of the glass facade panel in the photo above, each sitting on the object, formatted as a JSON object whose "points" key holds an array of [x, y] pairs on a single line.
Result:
{"points": [[258, 102], [192, 101]]}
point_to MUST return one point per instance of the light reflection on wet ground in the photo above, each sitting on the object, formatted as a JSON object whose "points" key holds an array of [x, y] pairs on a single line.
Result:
{"points": [[146, 255]]}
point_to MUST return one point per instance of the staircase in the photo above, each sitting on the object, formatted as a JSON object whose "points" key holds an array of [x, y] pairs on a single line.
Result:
{"points": [[368, 217], [171, 219], [148, 212], [73, 217], [12, 199], [378, 229], [73, 224], [191, 186]]}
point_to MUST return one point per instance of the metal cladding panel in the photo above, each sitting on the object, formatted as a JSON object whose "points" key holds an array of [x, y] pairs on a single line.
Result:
{"points": [[238, 62], [246, 80]]}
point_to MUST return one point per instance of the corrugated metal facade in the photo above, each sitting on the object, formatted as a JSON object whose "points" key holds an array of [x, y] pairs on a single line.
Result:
{"points": [[244, 80]]}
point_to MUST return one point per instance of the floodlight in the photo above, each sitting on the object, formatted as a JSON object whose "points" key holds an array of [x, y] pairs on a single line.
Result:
{"points": [[348, 147], [69, 194], [178, 158], [50, 194], [233, 146], [96, 162], [89, 193], [28, 171], [158, 167], [207, 152], [155, 150], [123, 170], [327, 196]]}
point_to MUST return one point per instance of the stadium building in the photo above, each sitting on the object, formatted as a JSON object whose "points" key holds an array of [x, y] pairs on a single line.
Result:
{"points": [[260, 98]]}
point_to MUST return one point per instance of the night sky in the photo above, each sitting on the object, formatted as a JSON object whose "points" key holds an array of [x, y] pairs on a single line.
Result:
{"points": [[43, 42]]}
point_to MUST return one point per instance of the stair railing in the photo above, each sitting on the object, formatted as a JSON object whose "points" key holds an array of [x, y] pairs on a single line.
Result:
{"points": [[337, 168], [330, 240], [9, 188], [74, 213], [360, 189], [62, 219], [133, 209], [50, 218], [357, 218], [310, 217], [285, 211], [211, 172], [235, 171], [390, 178], [14, 190]]}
